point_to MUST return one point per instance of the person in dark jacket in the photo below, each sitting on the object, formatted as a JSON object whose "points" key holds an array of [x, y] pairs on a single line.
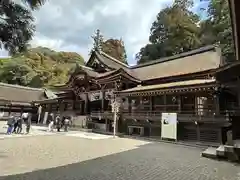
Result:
{"points": [[15, 125], [58, 123], [28, 123], [10, 124], [62, 121], [19, 128]]}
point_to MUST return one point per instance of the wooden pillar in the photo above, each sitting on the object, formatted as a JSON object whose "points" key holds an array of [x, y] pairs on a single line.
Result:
{"points": [[129, 104], [238, 91], [196, 104], [198, 132], [140, 103], [10, 109], [179, 104], [165, 102], [106, 124], [216, 103], [86, 104], [50, 107], [21, 111], [103, 97], [151, 103]]}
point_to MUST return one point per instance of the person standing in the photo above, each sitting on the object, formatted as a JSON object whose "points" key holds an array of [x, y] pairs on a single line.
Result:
{"points": [[58, 123], [66, 124], [19, 128], [25, 117], [10, 124], [50, 126], [28, 123], [15, 125]]}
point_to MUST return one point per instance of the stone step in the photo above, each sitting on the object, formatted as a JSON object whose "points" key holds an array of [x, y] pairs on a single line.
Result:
{"points": [[237, 144], [221, 151], [210, 152], [231, 153]]}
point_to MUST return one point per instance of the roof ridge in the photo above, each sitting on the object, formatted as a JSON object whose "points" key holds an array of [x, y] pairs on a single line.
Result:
{"points": [[86, 67], [21, 87], [174, 57], [114, 59]]}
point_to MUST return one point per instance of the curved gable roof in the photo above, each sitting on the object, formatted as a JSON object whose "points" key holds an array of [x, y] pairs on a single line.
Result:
{"points": [[107, 60], [195, 61]]}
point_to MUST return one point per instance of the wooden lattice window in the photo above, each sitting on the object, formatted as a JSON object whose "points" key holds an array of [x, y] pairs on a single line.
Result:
{"points": [[145, 103], [172, 103], [159, 103]]}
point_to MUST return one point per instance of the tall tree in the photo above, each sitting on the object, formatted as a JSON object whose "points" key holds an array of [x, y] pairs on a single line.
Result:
{"points": [[16, 72], [220, 20], [97, 41], [175, 31], [116, 49], [16, 25]]}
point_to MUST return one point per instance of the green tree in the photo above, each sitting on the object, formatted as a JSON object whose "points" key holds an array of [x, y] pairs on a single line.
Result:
{"points": [[97, 41], [16, 26], [16, 72], [175, 31], [38, 67], [219, 26], [116, 49]]}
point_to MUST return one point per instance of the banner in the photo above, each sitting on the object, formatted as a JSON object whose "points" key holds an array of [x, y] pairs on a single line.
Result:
{"points": [[95, 96], [169, 126]]}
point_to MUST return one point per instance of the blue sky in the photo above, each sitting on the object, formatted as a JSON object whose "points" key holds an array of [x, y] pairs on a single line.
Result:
{"points": [[68, 25]]}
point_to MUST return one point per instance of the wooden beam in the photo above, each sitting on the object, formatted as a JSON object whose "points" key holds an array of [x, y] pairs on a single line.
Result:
{"points": [[235, 18]]}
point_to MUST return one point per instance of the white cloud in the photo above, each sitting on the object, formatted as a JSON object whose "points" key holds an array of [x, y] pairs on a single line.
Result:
{"points": [[68, 25], [46, 42]]}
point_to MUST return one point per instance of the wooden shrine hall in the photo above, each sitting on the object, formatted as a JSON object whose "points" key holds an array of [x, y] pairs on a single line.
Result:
{"points": [[19, 99], [192, 85]]}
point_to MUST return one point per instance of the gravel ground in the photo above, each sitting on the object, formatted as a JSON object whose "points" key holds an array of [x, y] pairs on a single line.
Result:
{"points": [[60, 157]]}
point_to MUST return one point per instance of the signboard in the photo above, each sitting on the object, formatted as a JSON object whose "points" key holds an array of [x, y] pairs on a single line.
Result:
{"points": [[1, 114], [95, 96], [169, 126]]}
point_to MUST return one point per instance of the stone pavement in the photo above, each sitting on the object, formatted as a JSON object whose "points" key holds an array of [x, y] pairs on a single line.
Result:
{"points": [[40, 131], [69, 158]]}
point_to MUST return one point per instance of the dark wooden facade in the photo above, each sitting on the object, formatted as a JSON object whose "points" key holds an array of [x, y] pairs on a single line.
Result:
{"points": [[235, 17], [190, 84], [19, 99]]}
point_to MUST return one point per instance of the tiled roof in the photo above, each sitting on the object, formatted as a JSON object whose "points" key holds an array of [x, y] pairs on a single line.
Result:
{"points": [[170, 85], [110, 61], [21, 94], [89, 71], [199, 60]]}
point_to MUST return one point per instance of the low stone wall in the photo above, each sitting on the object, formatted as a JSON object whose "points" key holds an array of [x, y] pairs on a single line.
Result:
{"points": [[79, 121]]}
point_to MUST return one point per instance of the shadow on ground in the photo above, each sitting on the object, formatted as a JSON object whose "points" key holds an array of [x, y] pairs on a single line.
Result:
{"points": [[150, 161], [2, 155]]}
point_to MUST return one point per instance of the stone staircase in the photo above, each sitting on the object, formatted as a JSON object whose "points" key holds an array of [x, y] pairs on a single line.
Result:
{"points": [[227, 152]]}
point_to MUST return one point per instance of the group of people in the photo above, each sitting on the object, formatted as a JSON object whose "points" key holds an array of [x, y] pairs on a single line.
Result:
{"points": [[59, 123], [15, 124]]}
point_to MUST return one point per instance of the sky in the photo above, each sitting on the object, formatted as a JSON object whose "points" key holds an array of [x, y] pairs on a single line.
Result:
{"points": [[67, 25]]}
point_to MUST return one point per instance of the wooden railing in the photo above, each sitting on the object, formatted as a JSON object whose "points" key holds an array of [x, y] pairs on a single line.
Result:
{"points": [[105, 114], [182, 117]]}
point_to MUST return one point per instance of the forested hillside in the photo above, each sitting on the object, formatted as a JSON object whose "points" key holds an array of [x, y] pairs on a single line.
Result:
{"points": [[39, 67]]}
